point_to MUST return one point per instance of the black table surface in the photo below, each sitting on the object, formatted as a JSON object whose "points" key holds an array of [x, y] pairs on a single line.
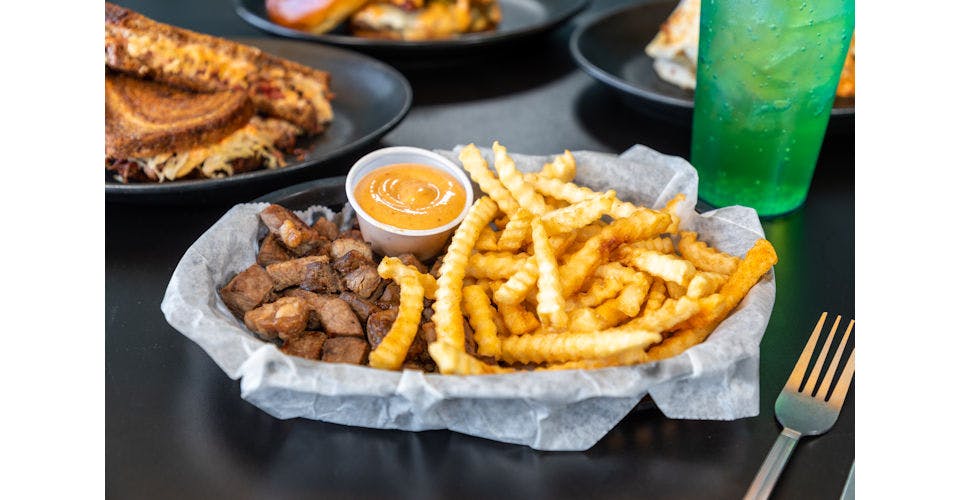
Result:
{"points": [[176, 426]]}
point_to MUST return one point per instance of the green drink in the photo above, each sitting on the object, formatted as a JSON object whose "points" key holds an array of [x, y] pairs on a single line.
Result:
{"points": [[767, 73]]}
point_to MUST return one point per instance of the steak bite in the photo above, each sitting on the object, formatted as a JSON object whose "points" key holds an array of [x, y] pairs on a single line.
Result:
{"points": [[247, 290], [363, 280], [285, 318], [338, 319], [350, 261], [345, 350], [362, 307], [326, 228], [320, 277], [272, 251], [340, 246], [378, 325], [412, 260], [308, 345], [314, 302], [292, 272], [390, 295], [292, 232], [353, 234]]}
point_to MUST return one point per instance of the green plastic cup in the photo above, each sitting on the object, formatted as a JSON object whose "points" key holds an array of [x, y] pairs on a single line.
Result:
{"points": [[767, 74]]}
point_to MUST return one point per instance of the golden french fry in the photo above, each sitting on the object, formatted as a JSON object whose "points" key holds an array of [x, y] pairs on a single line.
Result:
{"points": [[578, 215], [495, 265], [447, 314], [567, 346], [675, 290], [516, 232], [474, 163], [584, 319], [754, 265], [487, 240], [705, 283], [704, 257], [512, 179], [392, 350], [661, 245], [631, 298], [451, 361], [549, 300], [599, 290], [642, 224], [516, 289], [394, 269], [668, 267], [630, 356], [621, 273], [671, 313], [563, 167], [672, 207], [656, 296], [480, 314], [517, 319]]}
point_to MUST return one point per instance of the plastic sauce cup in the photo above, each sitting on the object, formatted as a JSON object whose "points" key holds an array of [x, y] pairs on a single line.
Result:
{"points": [[390, 240]]}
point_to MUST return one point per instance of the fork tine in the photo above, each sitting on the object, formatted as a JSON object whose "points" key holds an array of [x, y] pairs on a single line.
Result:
{"points": [[825, 385], [815, 373], [793, 383], [840, 392]]}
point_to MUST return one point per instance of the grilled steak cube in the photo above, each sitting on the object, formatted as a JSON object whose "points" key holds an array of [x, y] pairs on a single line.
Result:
{"points": [[292, 232], [314, 301], [390, 295], [378, 324], [285, 318], [362, 307], [429, 332], [326, 228], [338, 319], [292, 272], [345, 350], [353, 234], [412, 260], [469, 344], [362, 281], [340, 246], [308, 345], [320, 277], [435, 268], [272, 251], [350, 261], [247, 290]]}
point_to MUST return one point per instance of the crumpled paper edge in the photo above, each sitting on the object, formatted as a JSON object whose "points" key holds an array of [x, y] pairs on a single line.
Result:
{"points": [[559, 405]]}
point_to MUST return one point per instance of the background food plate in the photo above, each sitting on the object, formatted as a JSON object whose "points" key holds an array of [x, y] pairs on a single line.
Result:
{"points": [[610, 47], [521, 19], [371, 99]]}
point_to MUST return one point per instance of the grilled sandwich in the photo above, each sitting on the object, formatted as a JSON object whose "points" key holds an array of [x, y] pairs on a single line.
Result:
{"points": [[278, 88], [156, 132]]}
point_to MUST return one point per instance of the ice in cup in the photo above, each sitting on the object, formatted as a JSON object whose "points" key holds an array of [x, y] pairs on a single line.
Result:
{"points": [[767, 73]]}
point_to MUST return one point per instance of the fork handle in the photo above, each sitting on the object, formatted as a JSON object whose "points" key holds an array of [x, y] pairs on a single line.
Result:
{"points": [[773, 465]]}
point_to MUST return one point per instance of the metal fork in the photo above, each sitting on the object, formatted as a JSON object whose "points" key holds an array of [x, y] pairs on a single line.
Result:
{"points": [[800, 411]]}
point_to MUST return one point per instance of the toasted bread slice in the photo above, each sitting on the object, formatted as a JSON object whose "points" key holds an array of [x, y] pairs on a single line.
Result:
{"points": [[145, 118], [284, 89]]}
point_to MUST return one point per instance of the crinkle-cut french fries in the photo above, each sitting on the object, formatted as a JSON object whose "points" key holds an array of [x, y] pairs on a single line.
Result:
{"points": [[447, 315], [394, 269], [481, 314], [704, 257], [393, 348], [495, 265], [556, 276], [512, 179]]}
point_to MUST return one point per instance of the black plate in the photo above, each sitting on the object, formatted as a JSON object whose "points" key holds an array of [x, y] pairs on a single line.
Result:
{"points": [[610, 48], [520, 19], [371, 99]]}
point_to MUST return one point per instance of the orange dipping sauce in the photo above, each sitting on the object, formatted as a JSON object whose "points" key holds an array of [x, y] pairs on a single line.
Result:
{"points": [[411, 196]]}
